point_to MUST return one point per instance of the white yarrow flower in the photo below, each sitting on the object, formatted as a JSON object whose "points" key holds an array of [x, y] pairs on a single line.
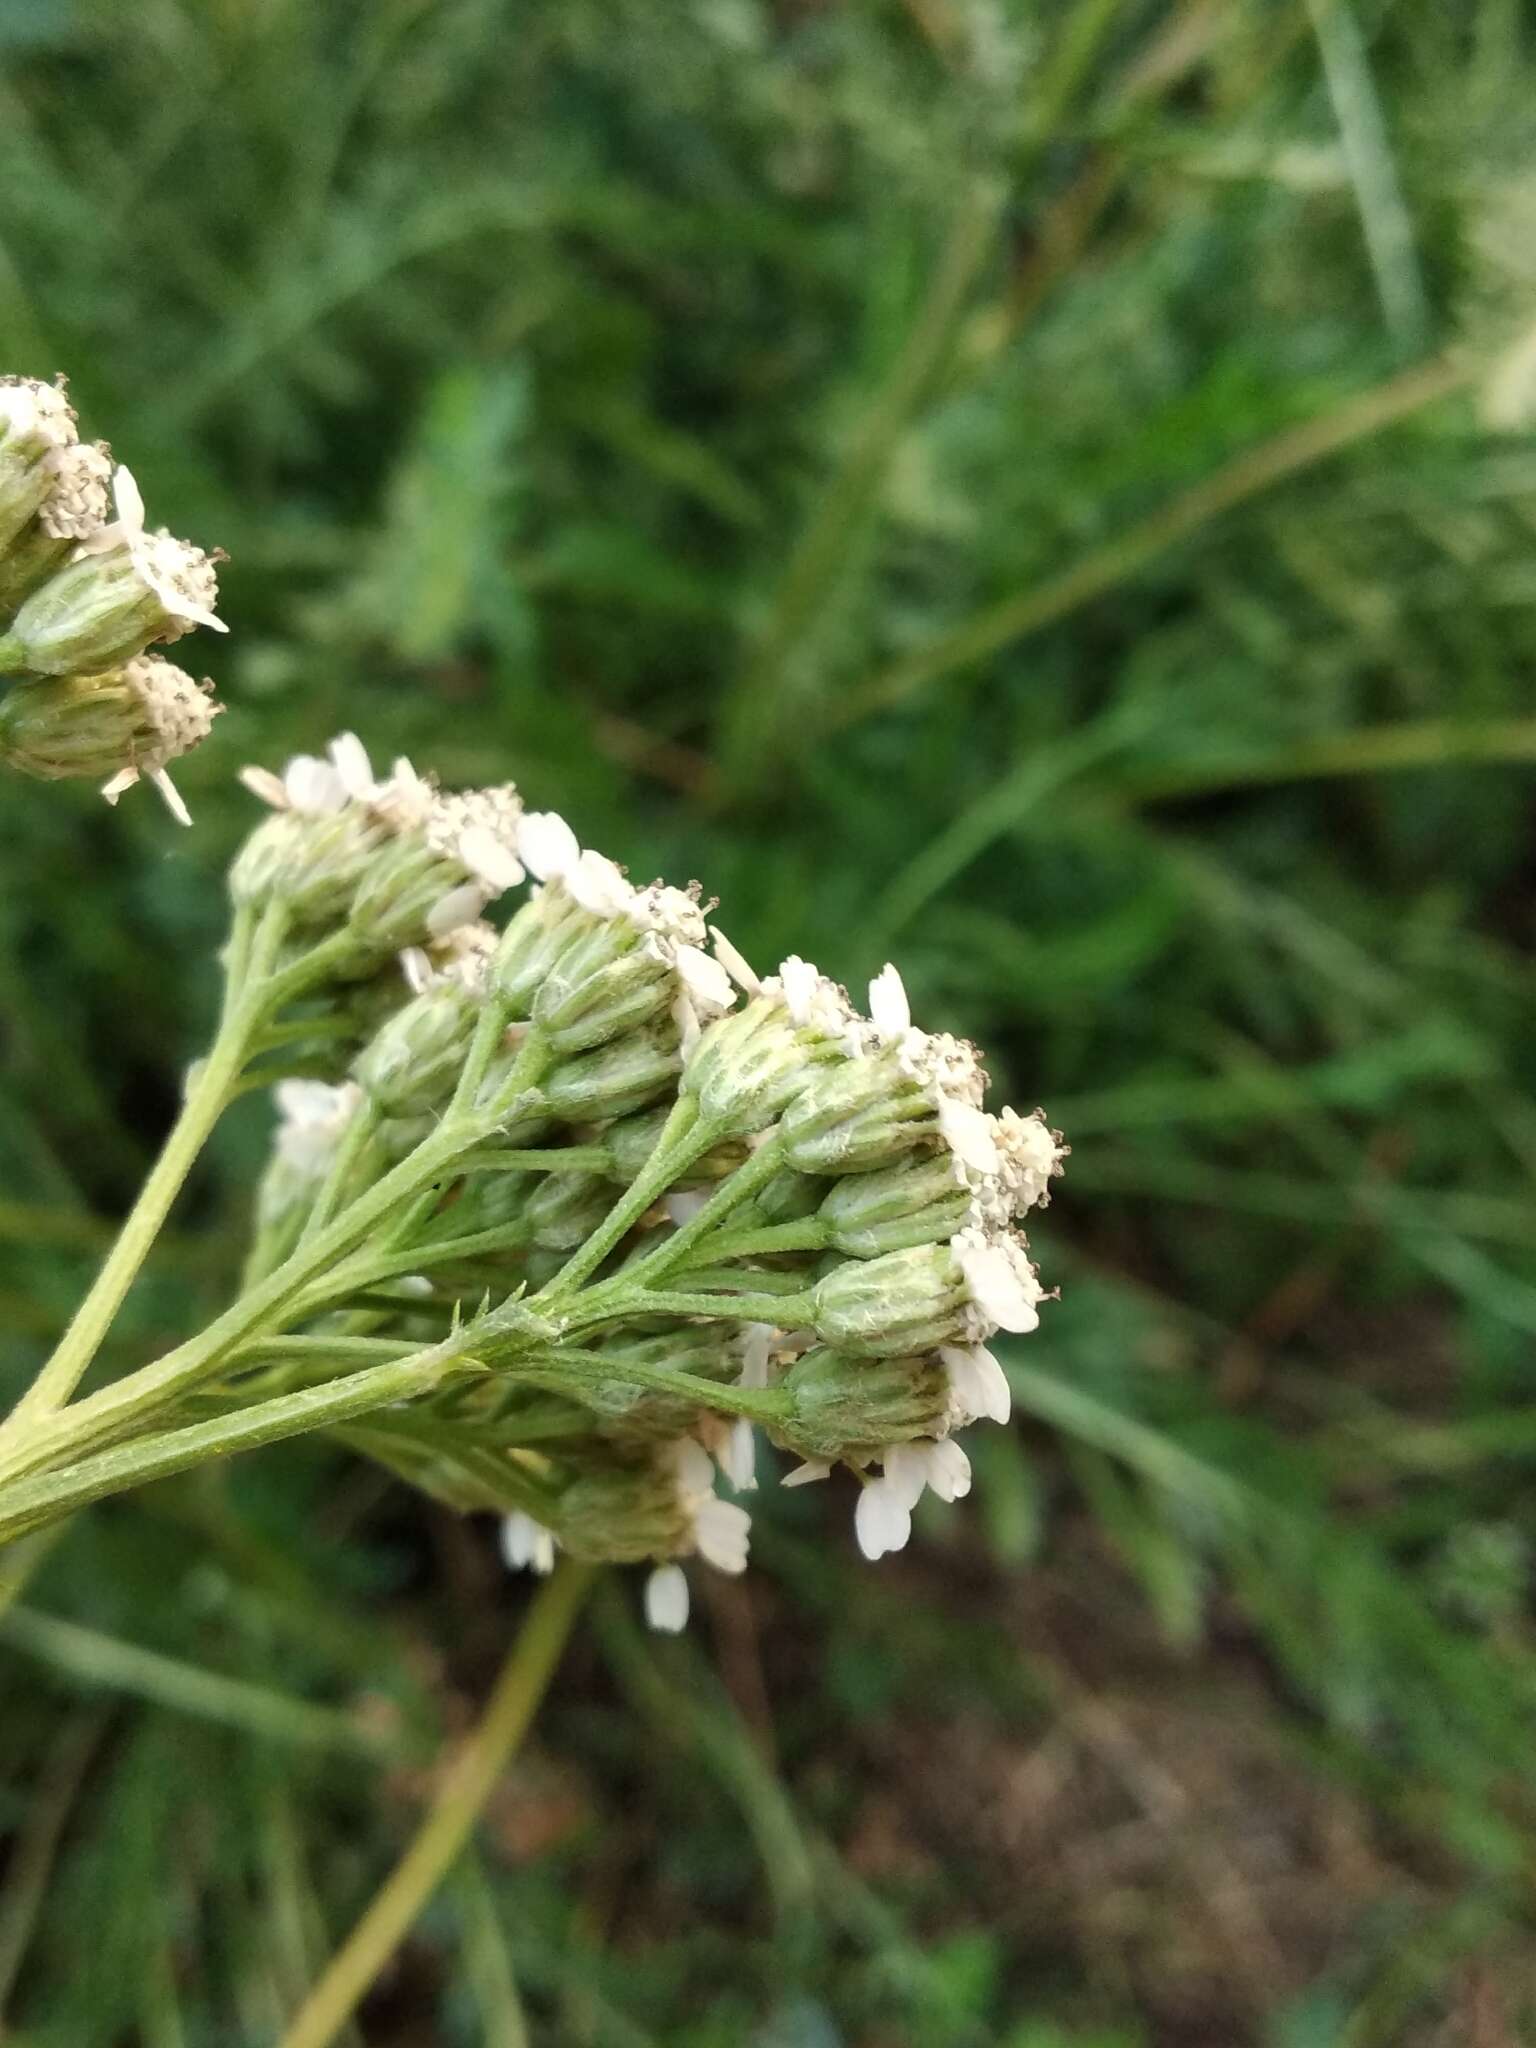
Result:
{"points": [[968, 1132], [37, 413], [180, 575], [1004, 1289]]}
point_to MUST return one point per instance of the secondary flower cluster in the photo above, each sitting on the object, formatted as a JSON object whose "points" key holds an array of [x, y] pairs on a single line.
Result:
{"points": [[85, 589], [728, 1205]]}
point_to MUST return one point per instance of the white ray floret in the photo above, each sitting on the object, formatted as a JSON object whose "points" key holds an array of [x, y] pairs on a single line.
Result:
{"points": [[526, 1544], [666, 1599], [978, 1386]]}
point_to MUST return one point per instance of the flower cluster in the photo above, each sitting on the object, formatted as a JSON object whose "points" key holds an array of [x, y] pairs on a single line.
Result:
{"points": [[85, 588], [721, 1206]]}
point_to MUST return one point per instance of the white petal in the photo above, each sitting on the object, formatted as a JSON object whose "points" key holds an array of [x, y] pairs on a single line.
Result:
{"points": [[686, 1018], [170, 795], [807, 1472], [722, 1532], [735, 966], [694, 1469], [416, 966], [881, 1521], [489, 858], [547, 845], [269, 787], [1001, 1284], [978, 1385], [889, 1010], [949, 1470], [968, 1132], [313, 786], [598, 885], [906, 1472], [705, 979], [798, 979], [526, 1544], [460, 906], [755, 1343], [123, 780], [738, 1456], [349, 757], [127, 501], [666, 1599], [682, 1207]]}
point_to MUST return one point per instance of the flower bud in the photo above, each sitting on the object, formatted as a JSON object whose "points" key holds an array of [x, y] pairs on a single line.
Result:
{"points": [[411, 1064], [630, 1141], [748, 1065], [436, 871], [904, 1302], [924, 1200], [662, 1508], [648, 1413], [113, 728], [855, 1115], [564, 1210], [626, 1513], [788, 1198], [537, 937], [37, 424], [73, 507], [125, 589], [627, 1075], [851, 1407]]}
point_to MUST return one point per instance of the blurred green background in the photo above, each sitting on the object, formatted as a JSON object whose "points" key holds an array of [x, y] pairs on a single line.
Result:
{"points": [[1044, 491]]}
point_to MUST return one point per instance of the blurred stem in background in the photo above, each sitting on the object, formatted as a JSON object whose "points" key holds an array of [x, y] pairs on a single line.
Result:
{"points": [[467, 1782]]}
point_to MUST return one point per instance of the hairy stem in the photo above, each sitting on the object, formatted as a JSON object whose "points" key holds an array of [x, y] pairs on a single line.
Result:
{"points": [[34, 1502], [683, 1139]]}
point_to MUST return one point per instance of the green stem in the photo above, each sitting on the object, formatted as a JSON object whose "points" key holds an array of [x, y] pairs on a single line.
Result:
{"points": [[789, 1310], [542, 1159], [289, 1350], [34, 1502], [130, 1400], [244, 1010], [733, 1191], [489, 1026], [762, 1404], [464, 1791], [361, 1126], [683, 1139], [354, 1275], [809, 1234]]}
